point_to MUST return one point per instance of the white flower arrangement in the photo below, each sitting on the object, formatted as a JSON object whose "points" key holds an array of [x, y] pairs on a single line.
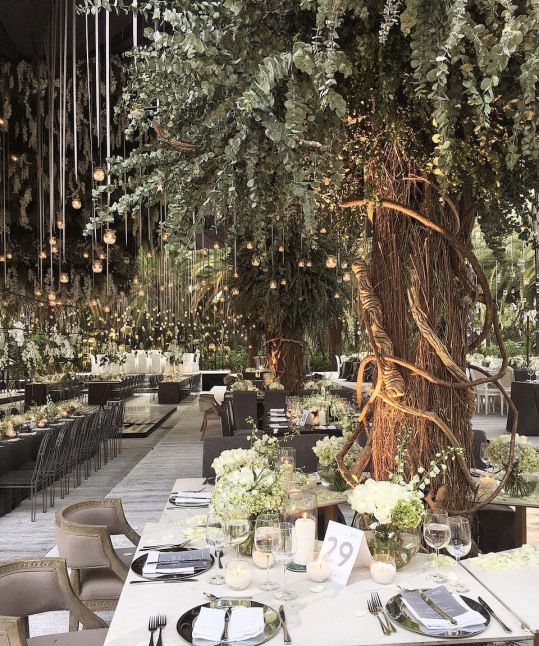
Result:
{"points": [[525, 458], [243, 384], [388, 503], [327, 449]]}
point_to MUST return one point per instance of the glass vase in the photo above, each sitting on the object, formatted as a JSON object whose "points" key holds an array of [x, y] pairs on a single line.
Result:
{"points": [[246, 548], [402, 544], [519, 484], [331, 477]]}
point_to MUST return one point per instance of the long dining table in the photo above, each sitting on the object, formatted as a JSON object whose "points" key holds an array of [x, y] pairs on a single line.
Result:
{"points": [[321, 615]]}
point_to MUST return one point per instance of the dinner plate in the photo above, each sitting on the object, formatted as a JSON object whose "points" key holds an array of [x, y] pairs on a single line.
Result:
{"points": [[397, 611], [271, 619], [138, 564]]}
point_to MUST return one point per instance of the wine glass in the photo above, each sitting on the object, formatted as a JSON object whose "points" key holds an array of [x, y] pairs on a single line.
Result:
{"points": [[286, 457], [216, 538], [267, 537], [237, 530], [436, 533], [484, 456], [284, 554], [460, 542], [530, 370]]}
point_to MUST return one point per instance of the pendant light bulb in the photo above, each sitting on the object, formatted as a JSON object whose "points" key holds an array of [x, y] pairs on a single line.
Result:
{"points": [[281, 248], [60, 224], [2, 258], [109, 236], [250, 245], [102, 256], [301, 263], [106, 308], [99, 173], [235, 291], [255, 261], [347, 277], [331, 262], [97, 266], [216, 246], [51, 296], [64, 277], [309, 263], [42, 255], [273, 284], [85, 254], [37, 292], [76, 202], [9, 255], [323, 231], [283, 281], [52, 241], [141, 292]]}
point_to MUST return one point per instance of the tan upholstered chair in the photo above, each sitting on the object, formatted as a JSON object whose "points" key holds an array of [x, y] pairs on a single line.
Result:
{"points": [[209, 407], [83, 532], [32, 586]]}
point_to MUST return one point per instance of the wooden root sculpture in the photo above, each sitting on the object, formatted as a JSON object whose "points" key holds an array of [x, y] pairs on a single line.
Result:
{"points": [[173, 143], [390, 386]]}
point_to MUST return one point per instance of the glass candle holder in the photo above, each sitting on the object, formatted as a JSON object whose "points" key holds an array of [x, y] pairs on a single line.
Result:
{"points": [[237, 574], [319, 568], [383, 568], [286, 457], [301, 510]]}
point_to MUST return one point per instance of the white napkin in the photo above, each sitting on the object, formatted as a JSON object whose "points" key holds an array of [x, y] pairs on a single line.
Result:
{"points": [[244, 624], [192, 499], [209, 624], [189, 495], [276, 410], [450, 602]]}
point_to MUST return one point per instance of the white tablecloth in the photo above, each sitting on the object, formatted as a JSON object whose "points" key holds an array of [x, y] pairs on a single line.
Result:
{"points": [[337, 616]]}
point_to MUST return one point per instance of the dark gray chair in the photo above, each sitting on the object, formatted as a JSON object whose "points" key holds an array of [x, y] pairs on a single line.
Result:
{"points": [[243, 408], [305, 458], [274, 399]]}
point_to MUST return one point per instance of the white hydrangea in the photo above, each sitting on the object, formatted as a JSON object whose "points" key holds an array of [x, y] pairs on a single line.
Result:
{"points": [[378, 498], [234, 459]]}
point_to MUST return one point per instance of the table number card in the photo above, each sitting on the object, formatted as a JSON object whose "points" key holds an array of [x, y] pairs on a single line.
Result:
{"points": [[303, 419], [342, 544]]}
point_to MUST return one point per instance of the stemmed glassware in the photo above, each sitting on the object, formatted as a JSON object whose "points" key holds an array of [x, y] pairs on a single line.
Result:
{"points": [[284, 554], [267, 537], [436, 533], [237, 530], [460, 542], [216, 538], [484, 456]]}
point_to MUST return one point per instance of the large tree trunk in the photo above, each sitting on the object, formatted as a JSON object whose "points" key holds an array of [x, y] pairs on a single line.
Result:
{"points": [[407, 256], [286, 357], [335, 345]]}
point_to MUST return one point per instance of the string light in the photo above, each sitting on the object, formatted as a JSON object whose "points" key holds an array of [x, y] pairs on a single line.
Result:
{"points": [[250, 245], [347, 277], [301, 263], [59, 224], [9, 255], [76, 202], [273, 284], [331, 262], [99, 173], [109, 236], [283, 281], [52, 241], [255, 261], [64, 277], [97, 266], [42, 255]]}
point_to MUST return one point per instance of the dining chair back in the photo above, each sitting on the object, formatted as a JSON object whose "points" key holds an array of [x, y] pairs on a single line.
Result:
{"points": [[274, 399], [83, 536], [33, 586], [244, 406]]}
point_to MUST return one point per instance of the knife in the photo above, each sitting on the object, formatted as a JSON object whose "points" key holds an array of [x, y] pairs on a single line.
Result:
{"points": [[491, 612], [287, 638], [224, 636], [437, 608]]}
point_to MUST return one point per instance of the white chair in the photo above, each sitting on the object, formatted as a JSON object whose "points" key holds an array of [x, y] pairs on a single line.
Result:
{"points": [[480, 391], [338, 360]]}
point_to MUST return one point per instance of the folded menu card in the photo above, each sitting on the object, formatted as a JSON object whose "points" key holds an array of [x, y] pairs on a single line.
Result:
{"points": [[184, 562], [277, 410], [467, 619], [186, 499], [244, 623]]}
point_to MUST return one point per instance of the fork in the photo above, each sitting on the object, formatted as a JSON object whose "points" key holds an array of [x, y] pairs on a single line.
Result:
{"points": [[372, 609], [161, 622], [152, 627], [378, 605]]}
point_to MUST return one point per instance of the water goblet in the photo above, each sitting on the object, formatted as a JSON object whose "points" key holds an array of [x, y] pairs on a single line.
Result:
{"points": [[216, 539], [237, 530], [436, 533], [460, 543], [267, 537]]}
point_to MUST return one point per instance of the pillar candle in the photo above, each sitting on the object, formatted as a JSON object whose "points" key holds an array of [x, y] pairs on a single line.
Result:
{"points": [[305, 540]]}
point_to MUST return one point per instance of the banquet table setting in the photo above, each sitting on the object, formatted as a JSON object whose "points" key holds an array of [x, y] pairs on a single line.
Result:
{"points": [[320, 612]]}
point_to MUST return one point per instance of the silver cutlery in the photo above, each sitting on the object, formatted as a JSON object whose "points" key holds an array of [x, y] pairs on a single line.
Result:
{"points": [[165, 546], [177, 493], [152, 627], [432, 604], [162, 581], [373, 610], [214, 597], [378, 604], [188, 506], [493, 614], [161, 622], [224, 636], [287, 638], [219, 555]]}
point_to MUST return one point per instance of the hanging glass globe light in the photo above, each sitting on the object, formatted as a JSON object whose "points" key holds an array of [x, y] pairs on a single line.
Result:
{"points": [[52, 241], [236, 275], [42, 255], [109, 236], [51, 296], [225, 288], [59, 224], [2, 258], [216, 246], [164, 236], [337, 295], [235, 291], [106, 308], [283, 281], [93, 302], [281, 248], [9, 255], [102, 256], [344, 264], [76, 202], [273, 284], [54, 249], [85, 254], [301, 263], [97, 266], [141, 292], [99, 173], [37, 292], [309, 263], [323, 231], [347, 277], [255, 261], [135, 280], [331, 262], [64, 277], [250, 245]]}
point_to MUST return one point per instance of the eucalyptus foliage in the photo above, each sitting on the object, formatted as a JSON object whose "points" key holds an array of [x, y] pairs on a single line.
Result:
{"points": [[287, 101]]}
